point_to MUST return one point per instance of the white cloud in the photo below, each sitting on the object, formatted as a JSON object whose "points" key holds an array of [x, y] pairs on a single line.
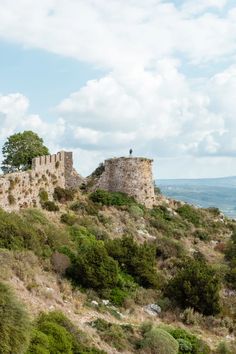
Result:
{"points": [[196, 7], [14, 117], [144, 100], [117, 33]]}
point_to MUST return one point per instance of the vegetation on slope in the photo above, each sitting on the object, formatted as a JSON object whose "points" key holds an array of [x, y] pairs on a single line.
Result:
{"points": [[109, 247]]}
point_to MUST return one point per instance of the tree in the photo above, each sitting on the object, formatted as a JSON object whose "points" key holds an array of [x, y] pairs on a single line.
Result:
{"points": [[94, 268], [196, 285], [19, 150]]}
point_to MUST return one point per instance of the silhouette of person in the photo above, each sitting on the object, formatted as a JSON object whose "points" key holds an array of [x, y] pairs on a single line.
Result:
{"points": [[130, 152]]}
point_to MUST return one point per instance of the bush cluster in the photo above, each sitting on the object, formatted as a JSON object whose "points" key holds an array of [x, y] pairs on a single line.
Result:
{"points": [[136, 260], [188, 343], [190, 214], [196, 285], [50, 206], [111, 198], [14, 323], [114, 334], [157, 340], [63, 195], [93, 267], [54, 333], [31, 230], [112, 267]]}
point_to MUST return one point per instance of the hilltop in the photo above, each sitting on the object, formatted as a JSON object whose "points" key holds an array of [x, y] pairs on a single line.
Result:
{"points": [[111, 266]]}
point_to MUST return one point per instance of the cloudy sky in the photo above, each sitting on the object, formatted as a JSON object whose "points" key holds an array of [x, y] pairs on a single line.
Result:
{"points": [[98, 77]]}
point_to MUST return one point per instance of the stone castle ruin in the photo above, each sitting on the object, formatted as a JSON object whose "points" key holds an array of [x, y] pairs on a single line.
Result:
{"points": [[131, 175], [22, 189]]}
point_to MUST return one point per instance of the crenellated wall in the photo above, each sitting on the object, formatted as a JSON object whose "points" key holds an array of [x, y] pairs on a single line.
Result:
{"points": [[131, 175], [21, 189]]}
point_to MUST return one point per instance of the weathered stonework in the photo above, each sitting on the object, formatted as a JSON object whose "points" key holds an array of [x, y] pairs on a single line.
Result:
{"points": [[21, 189], [131, 175]]}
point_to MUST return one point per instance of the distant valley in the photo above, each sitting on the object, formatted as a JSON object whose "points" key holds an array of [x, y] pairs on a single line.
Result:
{"points": [[209, 192]]}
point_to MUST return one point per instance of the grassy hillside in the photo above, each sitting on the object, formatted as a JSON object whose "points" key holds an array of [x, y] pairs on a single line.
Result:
{"points": [[98, 273]]}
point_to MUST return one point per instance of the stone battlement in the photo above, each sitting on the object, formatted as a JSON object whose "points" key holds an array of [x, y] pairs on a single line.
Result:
{"points": [[131, 175], [49, 160], [21, 189]]}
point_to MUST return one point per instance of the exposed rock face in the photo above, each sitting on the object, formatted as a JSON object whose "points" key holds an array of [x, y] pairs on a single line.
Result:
{"points": [[131, 175], [21, 189]]}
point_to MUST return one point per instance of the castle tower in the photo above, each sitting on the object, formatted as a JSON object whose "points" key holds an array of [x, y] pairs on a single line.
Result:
{"points": [[131, 175]]}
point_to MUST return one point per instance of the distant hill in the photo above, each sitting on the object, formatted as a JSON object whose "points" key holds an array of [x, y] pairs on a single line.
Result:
{"points": [[218, 192]]}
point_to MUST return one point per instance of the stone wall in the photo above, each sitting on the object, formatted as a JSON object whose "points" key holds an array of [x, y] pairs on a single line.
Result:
{"points": [[131, 175], [21, 189]]}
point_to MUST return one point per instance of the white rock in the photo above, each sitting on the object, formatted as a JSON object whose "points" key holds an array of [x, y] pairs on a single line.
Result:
{"points": [[95, 303], [105, 302]]}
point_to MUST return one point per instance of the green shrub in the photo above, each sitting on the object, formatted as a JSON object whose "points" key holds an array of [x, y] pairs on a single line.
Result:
{"points": [[93, 267], [125, 287], [137, 260], [184, 346], [30, 230], [167, 247], [191, 317], [55, 333], [196, 285], [63, 195], [117, 296], [68, 219], [50, 206], [14, 323], [230, 277], [43, 196], [39, 343], [136, 211], [161, 212], [225, 348], [156, 340], [201, 234], [187, 340], [213, 210], [111, 198], [60, 340], [113, 334], [85, 207], [77, 205], [190, 214]]}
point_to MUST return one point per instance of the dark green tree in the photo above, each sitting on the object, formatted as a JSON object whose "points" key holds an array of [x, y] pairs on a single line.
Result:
{"points": [[196, 285], [94, 268], [137, 260], [19, 150]]}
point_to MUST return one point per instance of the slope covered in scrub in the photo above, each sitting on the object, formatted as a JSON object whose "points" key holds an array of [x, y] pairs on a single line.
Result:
{"points": [[99, 273]]}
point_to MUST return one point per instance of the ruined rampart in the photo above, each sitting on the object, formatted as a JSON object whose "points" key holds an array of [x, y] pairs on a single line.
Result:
{"points": [[131, 175], [21, 189]]}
